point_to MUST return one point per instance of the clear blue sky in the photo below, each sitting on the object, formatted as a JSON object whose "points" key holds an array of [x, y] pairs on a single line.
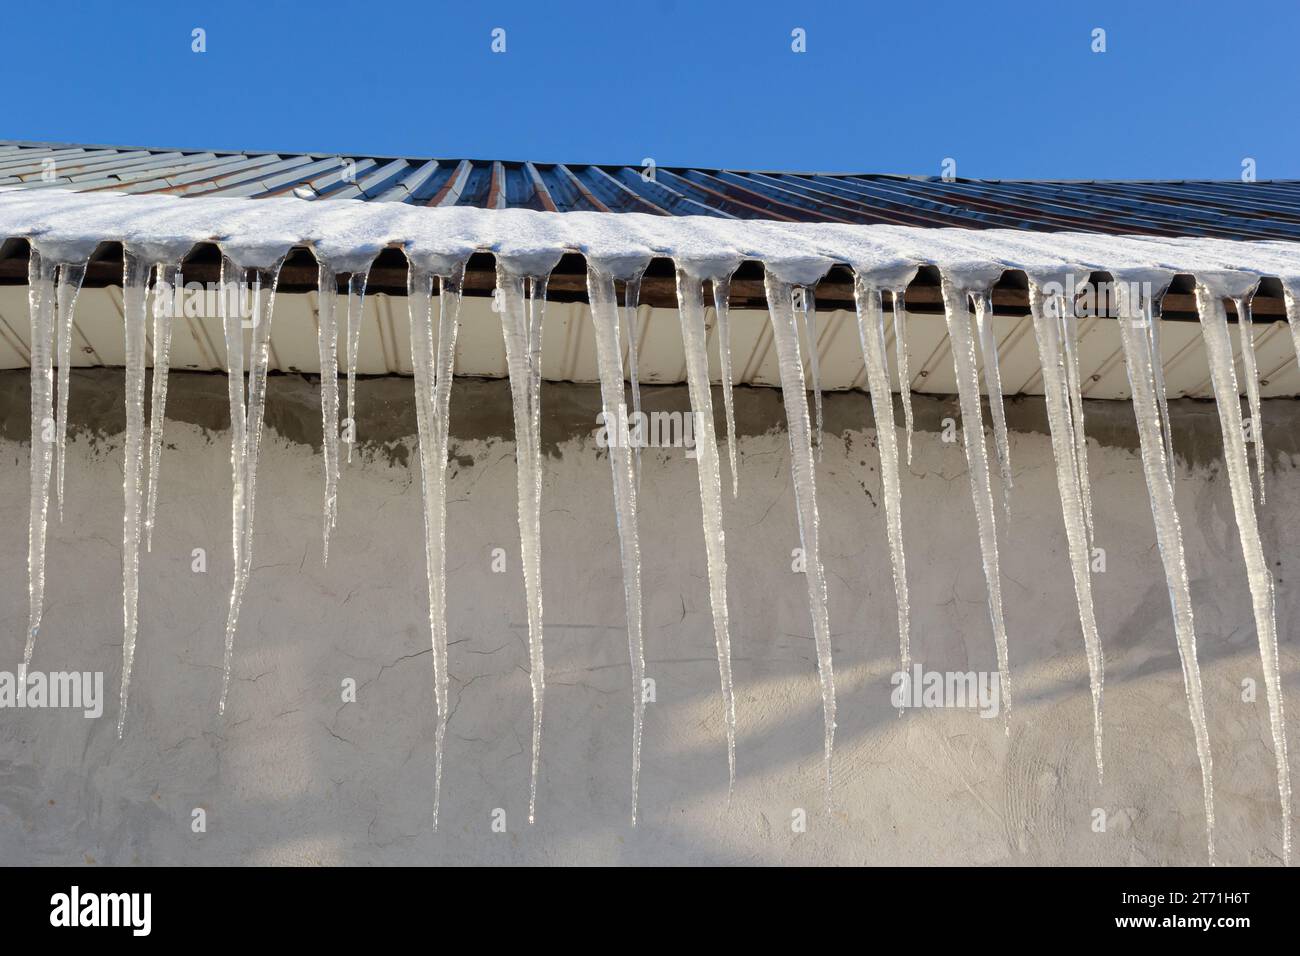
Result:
{"points": [[1007, 89]]}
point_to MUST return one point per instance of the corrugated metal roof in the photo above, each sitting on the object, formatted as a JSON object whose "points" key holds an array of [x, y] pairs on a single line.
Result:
{"points": [[1232, 210]]}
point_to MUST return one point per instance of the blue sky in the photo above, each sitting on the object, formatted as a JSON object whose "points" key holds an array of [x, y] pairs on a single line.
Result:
{"points": [[1007, 89]]}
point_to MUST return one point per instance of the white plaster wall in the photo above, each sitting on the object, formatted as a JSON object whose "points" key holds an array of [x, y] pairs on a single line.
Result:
{"points": [[291, 775]]}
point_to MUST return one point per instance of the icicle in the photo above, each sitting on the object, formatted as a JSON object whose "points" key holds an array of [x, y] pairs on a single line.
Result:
{"points": [[609, 357], [993, 387], [1169, 538], [71, 275], [356, 307], [536, 671], [449, 301], [521, 324], [871, 332], [1070, 336], [972, 424], [232, 323], [135, 319], [433, 368], [785, 335], [721, 297], [1151, 315], [809, 304], [1250, 370], [327, 343], [631, 303], [40, 297], [904, 379], [167, 286], [246, 423], [1218, 347], [1047, 331], [690, 301]]}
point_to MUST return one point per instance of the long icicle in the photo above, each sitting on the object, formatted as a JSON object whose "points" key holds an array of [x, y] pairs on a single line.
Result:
{"points": [[167, 286], [785, 335], [356, 311], [135, 320], [519, 321], [433, 366], [1218, 346], [690, 301], [71, 275], [536, 670], [721, 298], [993, 387], [449, 301], [1169, 537], [609, 358], [1056, 395], [40, 297], [1150, 307], [230, 299], [1250, 371], [904, 378], [871, 333], [251, 416], [631, 306], [327, 347], [972, 425], [264, 284], [1070, 336], [809, 303]]}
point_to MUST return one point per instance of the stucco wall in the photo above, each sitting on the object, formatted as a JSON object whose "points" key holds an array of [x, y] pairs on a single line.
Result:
{"points": [[292, 774]]}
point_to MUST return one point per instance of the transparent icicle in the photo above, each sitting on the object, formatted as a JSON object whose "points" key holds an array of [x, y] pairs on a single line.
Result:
{"points": [[993, 387], [1047, 331], [168, 282], [233, 326], [1070, 336], [871, 332], [972, 425], [1250, 370], [785, 335], [809, 302], [609, 358], [521, 322], [356, 310], [536, 670], [1169, 537], [721, 297], [71, 275], [1151, 316], [246, 423], [40, 297], [631, 304], [690, 301], [327, 346], [135, 319], [1218, 346], [904, 377], [433, 365]]}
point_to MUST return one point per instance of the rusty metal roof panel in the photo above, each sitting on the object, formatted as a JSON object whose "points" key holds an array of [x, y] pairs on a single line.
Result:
{"points": [[403, 187], [1227, 209]]}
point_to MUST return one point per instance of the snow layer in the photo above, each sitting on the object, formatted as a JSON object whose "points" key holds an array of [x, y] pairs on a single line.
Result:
{"points": [[256, 233]]}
